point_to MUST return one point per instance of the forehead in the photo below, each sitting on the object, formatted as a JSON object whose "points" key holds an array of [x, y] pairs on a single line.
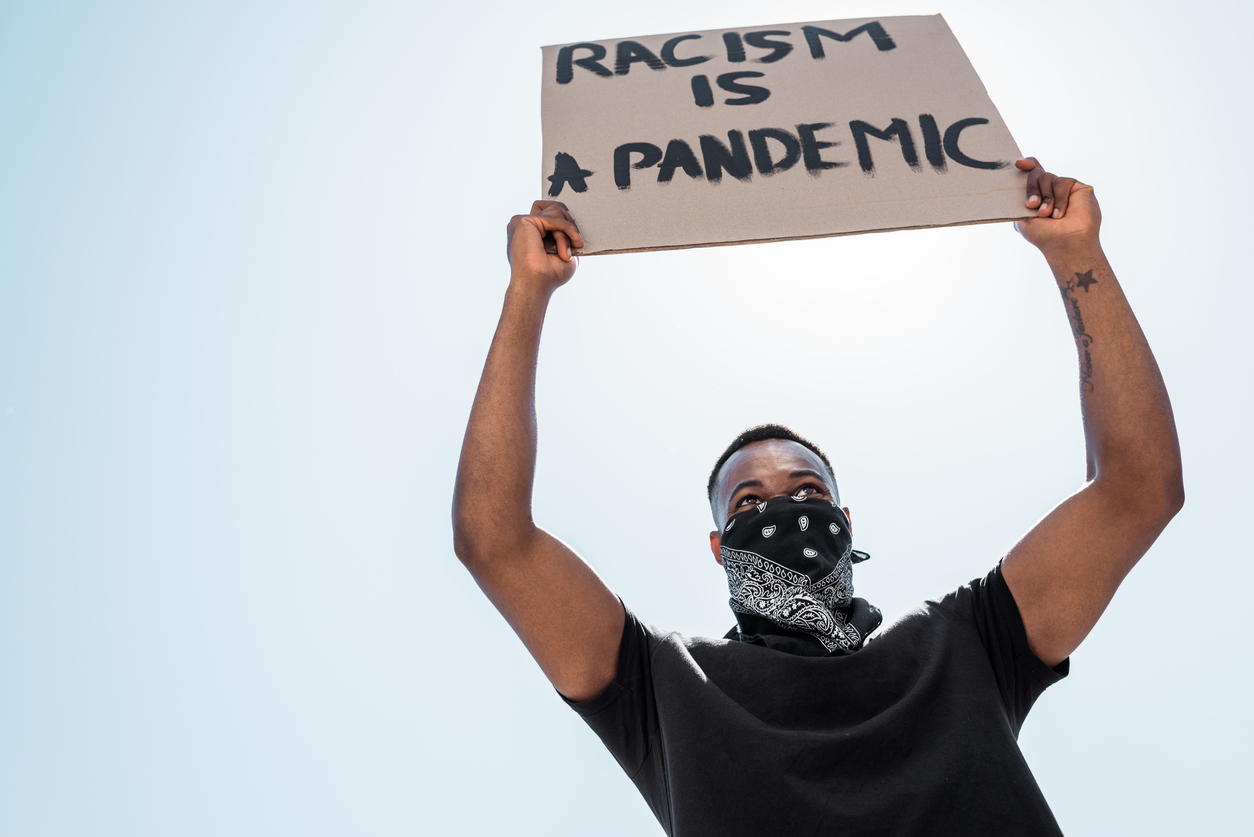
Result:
{"points": [[770, 459]]}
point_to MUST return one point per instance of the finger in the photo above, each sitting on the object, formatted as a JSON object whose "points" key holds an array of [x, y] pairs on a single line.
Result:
{"points": [[1062, 194], [1046, 186], [558, 210], [539, 207], [548, 224], [1034, 188], [1031, 165], [553, 208]]}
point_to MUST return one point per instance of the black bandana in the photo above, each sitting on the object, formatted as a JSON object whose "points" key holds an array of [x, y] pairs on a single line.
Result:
{"points": [[789, 564]]}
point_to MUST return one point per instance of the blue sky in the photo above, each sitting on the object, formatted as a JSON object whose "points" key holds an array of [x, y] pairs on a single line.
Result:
{"points": [[251, 256]]}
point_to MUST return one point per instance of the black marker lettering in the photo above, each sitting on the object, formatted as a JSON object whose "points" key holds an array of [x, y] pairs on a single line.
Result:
{"points": [[567, 170], [762, 152], [932, 142], [678, 156], [701, 92], [810, 148], [719, 157], [668, 52], [751, 92], [735, 48], [649, 156], [897, 128], [631, 52], [778, 48], [882, 41], [564, 59], [955, 153]]}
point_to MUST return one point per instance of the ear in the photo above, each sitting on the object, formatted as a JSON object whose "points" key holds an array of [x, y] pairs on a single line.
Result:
{"points": [[849, 517], [716, 542]]}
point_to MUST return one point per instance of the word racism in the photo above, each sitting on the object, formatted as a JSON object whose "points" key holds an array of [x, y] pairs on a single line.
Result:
{"points": [[770, 150], [630, 53]]}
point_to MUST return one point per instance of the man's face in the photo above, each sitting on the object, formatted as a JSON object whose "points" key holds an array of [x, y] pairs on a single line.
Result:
{"points": [[763, 470]]}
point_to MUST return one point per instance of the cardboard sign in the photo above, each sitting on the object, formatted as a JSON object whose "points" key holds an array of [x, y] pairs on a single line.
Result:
{"points": [[794, 131]]}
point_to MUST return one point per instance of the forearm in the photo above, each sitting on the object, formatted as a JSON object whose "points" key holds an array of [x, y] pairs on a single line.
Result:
{"points": [[1064, 572], [1128, 425], [492, 498]]}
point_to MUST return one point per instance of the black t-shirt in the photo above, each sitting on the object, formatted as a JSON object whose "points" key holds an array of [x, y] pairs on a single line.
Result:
{"points": [[914, 734]]}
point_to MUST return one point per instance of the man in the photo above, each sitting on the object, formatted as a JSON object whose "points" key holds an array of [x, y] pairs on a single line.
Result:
{"points": [[794, 723]]}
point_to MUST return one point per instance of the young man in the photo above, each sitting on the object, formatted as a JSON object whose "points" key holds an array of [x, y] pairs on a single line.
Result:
{"points": [[794, 723]]}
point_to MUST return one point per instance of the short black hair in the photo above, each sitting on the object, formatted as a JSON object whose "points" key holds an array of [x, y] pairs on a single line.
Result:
{"points": [[761, 433]]}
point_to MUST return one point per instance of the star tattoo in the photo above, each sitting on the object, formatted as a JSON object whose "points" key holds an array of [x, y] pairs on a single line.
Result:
{"points": [[1085, 279]]}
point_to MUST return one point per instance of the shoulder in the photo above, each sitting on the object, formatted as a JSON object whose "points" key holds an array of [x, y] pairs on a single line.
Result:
{"points": [[980, 597], [653, 646]]}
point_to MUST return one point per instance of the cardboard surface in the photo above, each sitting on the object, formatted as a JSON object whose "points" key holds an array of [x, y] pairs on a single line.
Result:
{"points": [[773, 132]]}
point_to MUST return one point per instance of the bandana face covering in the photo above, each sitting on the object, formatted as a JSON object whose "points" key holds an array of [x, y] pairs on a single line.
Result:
{"points": [[789, 564]]}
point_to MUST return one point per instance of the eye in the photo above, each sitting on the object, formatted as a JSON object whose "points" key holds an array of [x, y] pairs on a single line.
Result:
{"points": [[747, 500], [809, 489]]}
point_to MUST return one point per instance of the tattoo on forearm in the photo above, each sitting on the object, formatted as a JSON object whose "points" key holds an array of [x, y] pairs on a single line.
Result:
{"points": [[1068, 290]]}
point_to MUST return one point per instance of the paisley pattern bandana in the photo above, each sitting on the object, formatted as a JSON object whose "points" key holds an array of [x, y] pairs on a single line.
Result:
{"points": [[789, 564]]}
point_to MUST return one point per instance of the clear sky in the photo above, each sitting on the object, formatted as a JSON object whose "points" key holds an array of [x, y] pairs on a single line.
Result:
{"points": [[251, 256]]}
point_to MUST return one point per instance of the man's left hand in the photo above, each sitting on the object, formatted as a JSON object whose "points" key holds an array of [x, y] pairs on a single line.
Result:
{"points": [[1066, 209]]}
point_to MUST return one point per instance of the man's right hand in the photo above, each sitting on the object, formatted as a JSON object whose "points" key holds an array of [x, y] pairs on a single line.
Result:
{"points": [[568, 619], [530, 263]]}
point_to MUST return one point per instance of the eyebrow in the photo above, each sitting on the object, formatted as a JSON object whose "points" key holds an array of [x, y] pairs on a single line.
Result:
{"points": [[745, 484], [804, 472]]}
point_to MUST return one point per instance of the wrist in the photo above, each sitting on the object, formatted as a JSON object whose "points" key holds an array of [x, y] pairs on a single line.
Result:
{"points": [[529, 291], [1065, 251]]}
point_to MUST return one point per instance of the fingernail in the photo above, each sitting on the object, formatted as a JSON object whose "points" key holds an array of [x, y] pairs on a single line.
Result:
{"points": [[1057, 213]]}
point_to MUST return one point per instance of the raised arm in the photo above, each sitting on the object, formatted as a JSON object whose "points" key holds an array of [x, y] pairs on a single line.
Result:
{"points": [[1065, 571], [565, 615]]}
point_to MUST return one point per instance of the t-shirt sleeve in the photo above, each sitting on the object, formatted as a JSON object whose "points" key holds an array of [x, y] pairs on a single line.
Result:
{"points": [[624, 716], [989, 606]]}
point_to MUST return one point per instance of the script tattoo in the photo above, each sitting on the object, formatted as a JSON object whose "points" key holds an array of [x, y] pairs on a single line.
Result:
{"points": [[1068, 290]]}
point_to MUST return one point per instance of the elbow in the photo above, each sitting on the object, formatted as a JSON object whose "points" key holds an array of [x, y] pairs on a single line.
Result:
{"points": [[481, 536], [1156, 496], [1162, 496], [1173, 490], [463, 546], [467, 545], [1167, 486]]}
